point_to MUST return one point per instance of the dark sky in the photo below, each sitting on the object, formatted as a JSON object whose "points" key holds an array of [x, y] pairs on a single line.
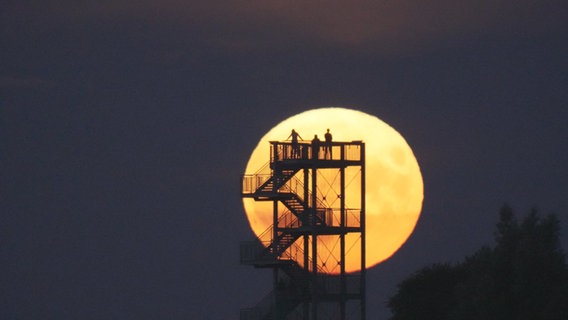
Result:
{"points": [[124, 127]]}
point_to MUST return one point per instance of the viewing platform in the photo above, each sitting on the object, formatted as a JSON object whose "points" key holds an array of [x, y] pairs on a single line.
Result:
{"points": [[336, 154]]}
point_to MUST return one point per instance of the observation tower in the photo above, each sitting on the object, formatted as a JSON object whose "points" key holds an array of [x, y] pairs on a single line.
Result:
{"points": [[315, 245]]}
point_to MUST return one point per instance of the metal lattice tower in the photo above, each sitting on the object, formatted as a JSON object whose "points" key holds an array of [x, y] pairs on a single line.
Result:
{"points": [[308, 190]]}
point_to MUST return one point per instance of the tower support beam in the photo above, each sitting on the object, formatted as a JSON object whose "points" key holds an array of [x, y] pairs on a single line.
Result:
{"points": [[307, 284]]}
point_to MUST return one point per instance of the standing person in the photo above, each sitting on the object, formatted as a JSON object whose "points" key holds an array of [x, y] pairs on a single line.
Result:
{"points": [[327, 149], [315, 147], [295, 145]]}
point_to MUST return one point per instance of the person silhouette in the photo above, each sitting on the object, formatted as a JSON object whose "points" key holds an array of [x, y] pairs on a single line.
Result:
{"points": [[295, 146], [315, 147], [327, 148]]}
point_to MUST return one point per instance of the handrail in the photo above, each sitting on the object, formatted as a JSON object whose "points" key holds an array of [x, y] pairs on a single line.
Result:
{"points": [[339, 150], [294, 222], [295, 251], [251, 182], [299, 186]]}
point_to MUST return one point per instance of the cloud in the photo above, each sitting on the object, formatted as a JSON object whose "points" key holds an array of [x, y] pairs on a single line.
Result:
{"points": [[379, 25]]}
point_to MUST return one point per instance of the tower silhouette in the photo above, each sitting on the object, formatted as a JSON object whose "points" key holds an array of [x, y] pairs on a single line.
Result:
{"points": [[317, 232]]}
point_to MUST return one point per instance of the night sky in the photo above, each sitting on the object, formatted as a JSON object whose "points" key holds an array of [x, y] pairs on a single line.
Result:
{"points": [[125, 126]]}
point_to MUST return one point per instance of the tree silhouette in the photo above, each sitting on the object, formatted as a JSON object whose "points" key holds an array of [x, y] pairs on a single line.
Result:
{"points": [[524, 276], [427, 294]]}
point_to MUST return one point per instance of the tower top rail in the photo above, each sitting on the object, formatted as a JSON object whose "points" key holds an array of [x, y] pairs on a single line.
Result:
{"points": [[302, 151]]}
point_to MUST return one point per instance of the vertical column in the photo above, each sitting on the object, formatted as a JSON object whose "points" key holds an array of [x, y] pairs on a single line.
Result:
{"points": [[274, 225], [275, 269], [306, 182], [304, 221], [363, 235], [342, 257], [314, 242]]}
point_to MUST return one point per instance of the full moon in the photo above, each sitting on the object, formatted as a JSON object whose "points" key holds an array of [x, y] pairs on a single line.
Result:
{"points": [[394, 187]]}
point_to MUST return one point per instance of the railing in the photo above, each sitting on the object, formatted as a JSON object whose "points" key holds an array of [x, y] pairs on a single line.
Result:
{"points": [[296, 186], [288, 220], [286, 150], [296, 253], [251, 182], [289, 151], [352, 151], [252, 251], [293, 185], [352, 218]]}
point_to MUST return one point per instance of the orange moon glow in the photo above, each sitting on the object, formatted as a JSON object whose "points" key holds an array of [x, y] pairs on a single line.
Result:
{"points": [[394, 187]]}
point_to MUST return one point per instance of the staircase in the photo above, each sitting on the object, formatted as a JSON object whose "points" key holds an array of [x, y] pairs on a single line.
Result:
{"points": [[273, 184], [283, 242], [302, 289], [273, 252], [299, 208], [286, 297]]}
